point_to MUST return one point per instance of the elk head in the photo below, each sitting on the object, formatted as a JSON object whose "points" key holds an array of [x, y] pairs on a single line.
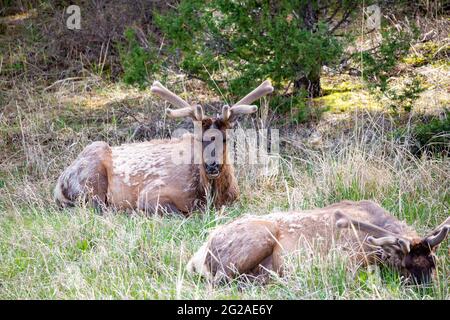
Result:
{"points": [[414, 258], [212, 133]]}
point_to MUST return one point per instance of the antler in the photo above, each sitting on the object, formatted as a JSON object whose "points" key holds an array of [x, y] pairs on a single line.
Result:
{"points": [[439, 234], [378, 236], [243, 106], [186, 110], [263, 89], [391, 242]]}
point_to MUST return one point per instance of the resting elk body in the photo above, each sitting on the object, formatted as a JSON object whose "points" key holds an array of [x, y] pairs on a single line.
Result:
{"points": [[144, 175], [252, 245]]}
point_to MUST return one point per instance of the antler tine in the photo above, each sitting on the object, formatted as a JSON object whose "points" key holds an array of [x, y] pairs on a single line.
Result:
{"points": [[378, 236], [382, 241], [391, 241], [438, 234], [443, 224], [186, 110], [434, 240], [243, 106], [243, 109], [263, 89], [226, 113]]}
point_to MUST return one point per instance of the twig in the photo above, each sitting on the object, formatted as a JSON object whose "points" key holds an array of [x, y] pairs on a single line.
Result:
{"points": [[62, 81]]}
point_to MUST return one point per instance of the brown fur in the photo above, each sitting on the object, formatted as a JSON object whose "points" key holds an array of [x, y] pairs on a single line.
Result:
{"points": [[151, 183], [145, 176], [225, 189], [254, 244], [87, 176]]}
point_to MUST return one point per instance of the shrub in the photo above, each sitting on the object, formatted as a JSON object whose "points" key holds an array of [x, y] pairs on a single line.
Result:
{"points": [[427, 135], [103, 24], [238, 44], [381, 64], [433, 137], [138, 63]]}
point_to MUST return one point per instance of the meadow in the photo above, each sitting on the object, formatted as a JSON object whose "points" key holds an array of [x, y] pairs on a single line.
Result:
{"points": [[77, 253], [353, 148]]}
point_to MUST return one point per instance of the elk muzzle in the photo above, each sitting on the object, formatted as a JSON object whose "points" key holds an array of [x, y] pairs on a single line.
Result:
{"points": [[212, 170]]}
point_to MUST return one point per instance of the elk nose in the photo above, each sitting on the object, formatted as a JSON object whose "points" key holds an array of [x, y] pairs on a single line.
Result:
{"points": [[212, 168]]}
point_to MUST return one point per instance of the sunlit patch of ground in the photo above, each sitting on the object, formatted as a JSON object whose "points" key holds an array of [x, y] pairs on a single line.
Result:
{"points": [[437, 95], [19, 17], [345, 93], [99, 98]]}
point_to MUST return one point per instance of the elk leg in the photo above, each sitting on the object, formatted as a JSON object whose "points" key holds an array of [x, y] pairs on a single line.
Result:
{"points": [[240, 248], [285, 246], [86, 178]]}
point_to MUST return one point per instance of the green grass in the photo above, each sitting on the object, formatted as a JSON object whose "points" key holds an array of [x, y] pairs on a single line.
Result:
{"points": [[72, 254], [49, 253], [78, 254]]}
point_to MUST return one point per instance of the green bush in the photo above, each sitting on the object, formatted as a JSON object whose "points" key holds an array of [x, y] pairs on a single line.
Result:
{"points": [[434, 136], [237, 44], [380, 65], [138, 63], [429, 135]]}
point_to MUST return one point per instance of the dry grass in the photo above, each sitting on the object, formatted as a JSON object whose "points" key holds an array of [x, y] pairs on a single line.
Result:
{"points": [[47, 253]]}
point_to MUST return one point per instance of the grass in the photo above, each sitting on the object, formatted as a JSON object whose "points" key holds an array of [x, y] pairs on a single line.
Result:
{"points": [[47, 253]]}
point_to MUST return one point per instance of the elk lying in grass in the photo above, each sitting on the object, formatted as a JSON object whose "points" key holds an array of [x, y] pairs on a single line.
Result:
{"points": [[253, 245], [145, 176]]}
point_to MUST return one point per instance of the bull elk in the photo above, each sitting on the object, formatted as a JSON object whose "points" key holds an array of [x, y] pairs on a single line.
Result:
{"points": [[144, 175], [254, 245]]}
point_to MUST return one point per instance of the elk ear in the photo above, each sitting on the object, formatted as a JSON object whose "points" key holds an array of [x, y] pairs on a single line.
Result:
{"points": [[341, 219]]}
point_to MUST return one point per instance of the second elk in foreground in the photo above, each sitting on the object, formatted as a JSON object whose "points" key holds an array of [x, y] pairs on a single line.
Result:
{"points": [[253, 245], [145, 175]]}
